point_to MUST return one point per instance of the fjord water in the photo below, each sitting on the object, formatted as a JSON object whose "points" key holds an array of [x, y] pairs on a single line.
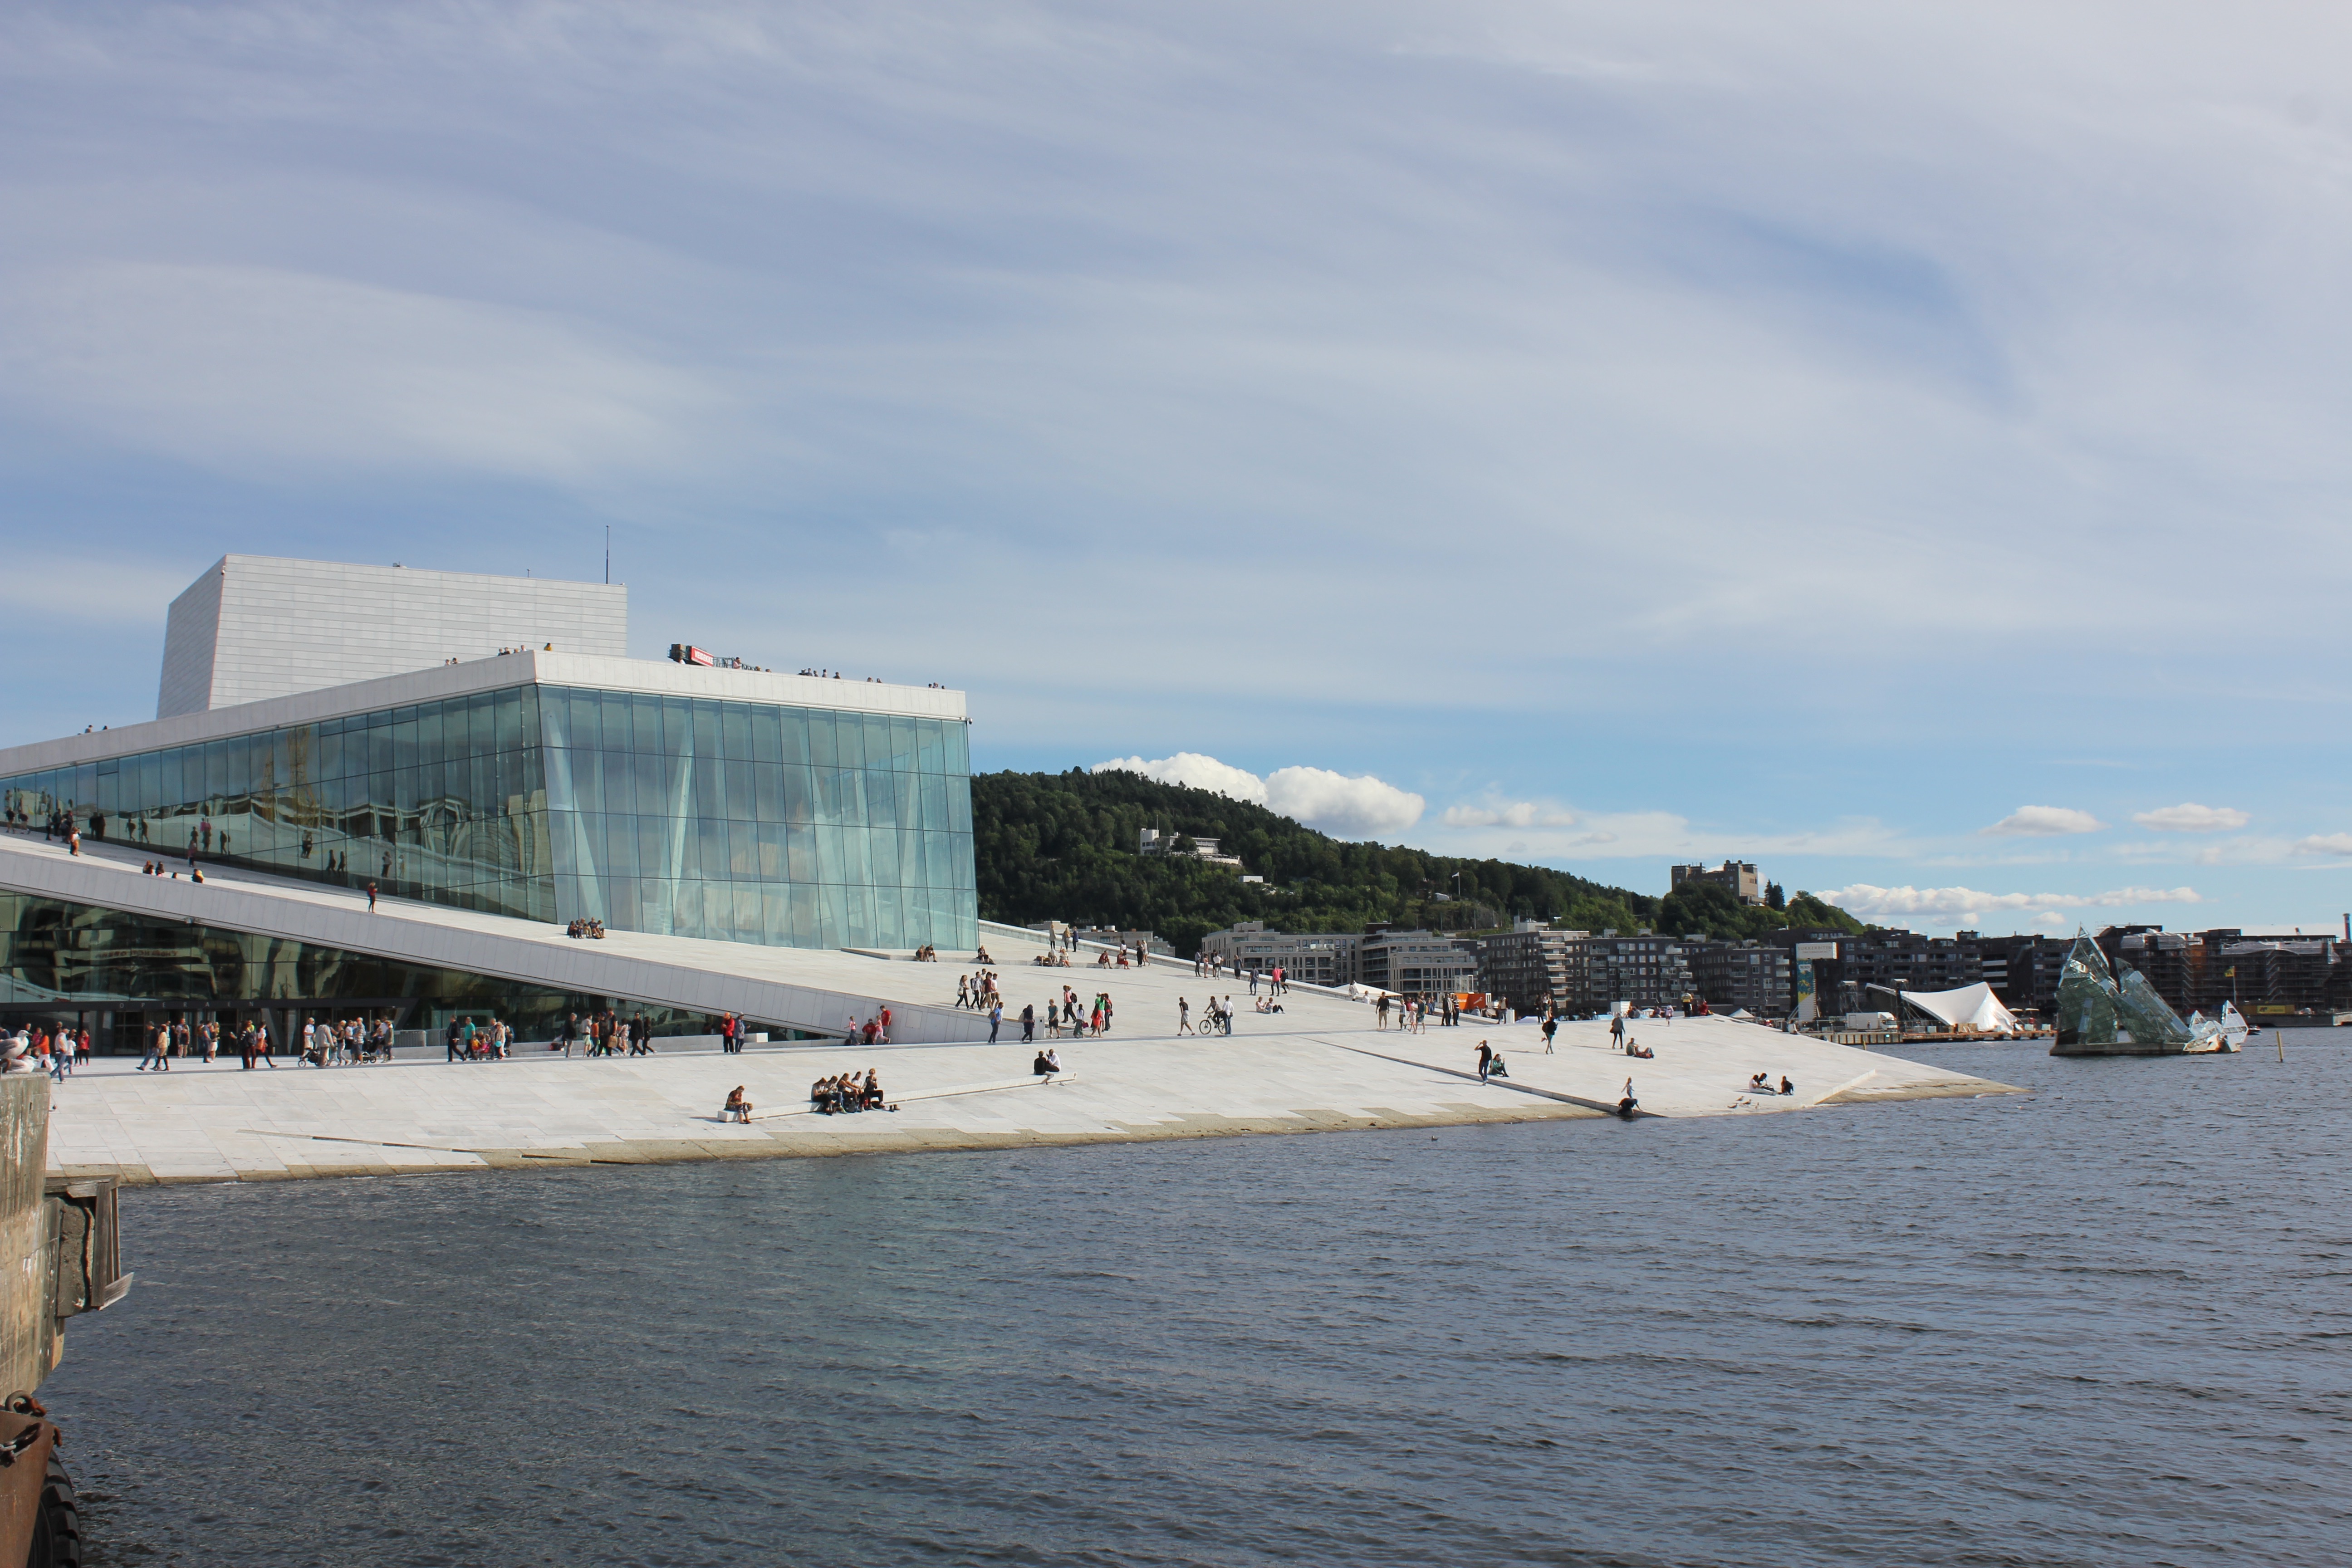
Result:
{"points": [[2109, 1322]]}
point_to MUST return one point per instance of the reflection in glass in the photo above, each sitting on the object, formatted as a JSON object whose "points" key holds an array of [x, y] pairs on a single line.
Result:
{"points": [[645, 812]]}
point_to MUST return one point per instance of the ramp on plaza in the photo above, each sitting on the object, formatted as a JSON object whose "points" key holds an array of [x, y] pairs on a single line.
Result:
{"points": [[815, 991]]}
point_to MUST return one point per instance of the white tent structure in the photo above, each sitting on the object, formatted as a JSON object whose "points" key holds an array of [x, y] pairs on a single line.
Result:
{"points": [[1973, 1007]]}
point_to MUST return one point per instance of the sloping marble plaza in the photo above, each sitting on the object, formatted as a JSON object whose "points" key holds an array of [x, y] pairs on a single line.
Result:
{"points": [[220, 1122]]}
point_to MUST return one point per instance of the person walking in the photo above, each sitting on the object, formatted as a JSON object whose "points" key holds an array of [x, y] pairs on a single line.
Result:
{"points": [[728, 1029], [995, 1020], [1550, 1028], [1486, 1059], [1381, 1007], [452, 1039], [1184, 1016], [371, 897], [261, 1043], [1028, 1023], [154, 1048], [1616, 1031]]}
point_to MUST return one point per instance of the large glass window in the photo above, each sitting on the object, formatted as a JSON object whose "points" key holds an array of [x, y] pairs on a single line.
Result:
{"points": [[667, 814]]}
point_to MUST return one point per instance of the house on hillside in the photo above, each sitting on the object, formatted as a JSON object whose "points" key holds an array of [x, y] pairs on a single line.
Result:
{"points": [[1154, 842]]}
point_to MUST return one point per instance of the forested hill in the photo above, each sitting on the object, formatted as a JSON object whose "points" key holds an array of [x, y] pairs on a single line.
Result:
{"points": [[1063, 847]]}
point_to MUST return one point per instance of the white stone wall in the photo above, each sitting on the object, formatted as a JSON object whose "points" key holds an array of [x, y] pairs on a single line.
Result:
{"points": [[279, 626], [190, 635]]}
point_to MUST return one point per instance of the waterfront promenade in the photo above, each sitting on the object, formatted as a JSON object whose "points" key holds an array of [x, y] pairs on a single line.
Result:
{"points": [[219, 1123]]}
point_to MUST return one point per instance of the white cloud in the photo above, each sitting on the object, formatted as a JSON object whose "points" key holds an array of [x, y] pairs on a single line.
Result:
{"points": [[2190, 818], [2245, 850], [1362, 807], [1865, 900], [1348, 807], [2324, 844], [1513, 814], [41, 587], [2041, 821], [1193, 769], [255, 368]]}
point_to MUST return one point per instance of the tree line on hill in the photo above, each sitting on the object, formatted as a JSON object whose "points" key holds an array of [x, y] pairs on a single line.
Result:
{"points": [[1065, 846]]}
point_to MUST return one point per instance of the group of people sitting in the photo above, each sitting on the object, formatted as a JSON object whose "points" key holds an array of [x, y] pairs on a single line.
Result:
{"points": [[1057, 959], [594, 930], [1761, 1083], [927, 953], [156, 869], [1048, 1062], [840, 1096]]}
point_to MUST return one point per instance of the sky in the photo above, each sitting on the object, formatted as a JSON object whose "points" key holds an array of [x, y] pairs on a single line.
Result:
{"points": [[1899, 446]]}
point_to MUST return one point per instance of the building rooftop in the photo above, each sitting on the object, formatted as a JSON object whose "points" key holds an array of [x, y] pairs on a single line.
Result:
{"points": [[489, 674]]}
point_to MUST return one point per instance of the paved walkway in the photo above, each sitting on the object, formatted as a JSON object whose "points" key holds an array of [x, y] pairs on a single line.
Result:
{"points": [[222, 1123]]}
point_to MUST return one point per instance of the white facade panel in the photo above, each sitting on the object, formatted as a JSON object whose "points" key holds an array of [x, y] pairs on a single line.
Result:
{"points": [[191, 637], [257, 626]]}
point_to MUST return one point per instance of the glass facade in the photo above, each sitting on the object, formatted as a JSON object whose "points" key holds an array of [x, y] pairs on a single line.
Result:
{"points": [[687, 816], [112, 972]]}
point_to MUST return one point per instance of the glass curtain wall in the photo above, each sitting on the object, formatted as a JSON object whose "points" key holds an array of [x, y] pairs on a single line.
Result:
{"points": [[744, 822], [748, 822], [442, 801], [76, 963]]}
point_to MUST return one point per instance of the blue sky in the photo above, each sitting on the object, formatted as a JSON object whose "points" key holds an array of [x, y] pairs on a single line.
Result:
{"points": [[1901, 447]]}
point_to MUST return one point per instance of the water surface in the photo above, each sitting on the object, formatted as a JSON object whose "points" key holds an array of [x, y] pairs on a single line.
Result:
{"points": [[2108, 1323]]}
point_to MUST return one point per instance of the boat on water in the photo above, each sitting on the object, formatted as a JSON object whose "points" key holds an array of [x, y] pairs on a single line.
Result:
{"points": [[2101, 1017]]}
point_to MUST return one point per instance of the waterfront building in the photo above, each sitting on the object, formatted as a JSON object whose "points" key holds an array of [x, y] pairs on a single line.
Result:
{"points": [[1753, 975], [1528, 966], [1311, 958], [2198, 971], [724, 806], [1646, 970], [1416, 963], [1897, 959]]}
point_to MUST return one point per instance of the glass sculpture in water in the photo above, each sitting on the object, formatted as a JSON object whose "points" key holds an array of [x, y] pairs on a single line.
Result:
{"points": [[2095, 1012]]}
